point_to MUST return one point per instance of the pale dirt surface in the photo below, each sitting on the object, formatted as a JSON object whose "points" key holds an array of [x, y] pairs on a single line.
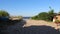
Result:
{"points": [[39, 23]]}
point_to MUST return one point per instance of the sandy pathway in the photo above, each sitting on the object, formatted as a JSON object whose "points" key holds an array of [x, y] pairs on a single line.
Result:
{"points": [[31, 27], [38, 23]]}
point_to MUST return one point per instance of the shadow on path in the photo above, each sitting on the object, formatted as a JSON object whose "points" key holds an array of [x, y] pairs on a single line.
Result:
{"points": [[12, 26], [40, 30], [19, 29]]}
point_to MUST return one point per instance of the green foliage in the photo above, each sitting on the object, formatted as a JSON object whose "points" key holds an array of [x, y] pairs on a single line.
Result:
{"points": [[57, 21], [48, 16], [35, 17], [51, 14], [3, 13], [43, 16]]}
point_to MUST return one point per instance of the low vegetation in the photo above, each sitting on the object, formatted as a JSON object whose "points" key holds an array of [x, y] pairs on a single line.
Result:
{"points": [[5, 18], [47, 16], [57, 21], [3, 13]]}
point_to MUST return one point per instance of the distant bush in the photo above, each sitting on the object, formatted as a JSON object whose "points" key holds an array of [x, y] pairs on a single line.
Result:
{"points": [[3, 13], [47, 16], [35, 17]]}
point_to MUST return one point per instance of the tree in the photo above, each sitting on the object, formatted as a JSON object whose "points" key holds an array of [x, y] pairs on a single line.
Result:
{"points": [[46, 15], [35, 17], [51, 14], [43, 16], [3, 13]]}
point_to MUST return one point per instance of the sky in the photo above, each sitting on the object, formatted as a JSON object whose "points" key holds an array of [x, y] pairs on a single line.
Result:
{"points": [[28, 7]]}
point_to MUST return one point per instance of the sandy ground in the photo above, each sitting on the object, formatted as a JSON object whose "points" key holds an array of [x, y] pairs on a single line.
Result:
{"points": [[39, 23]]}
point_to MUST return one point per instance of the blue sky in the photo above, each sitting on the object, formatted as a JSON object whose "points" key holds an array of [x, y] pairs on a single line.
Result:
{"points": [[29, 7]]}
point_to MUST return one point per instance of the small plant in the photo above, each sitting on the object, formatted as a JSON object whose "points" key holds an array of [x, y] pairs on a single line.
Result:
{"points": [[57, 21]]}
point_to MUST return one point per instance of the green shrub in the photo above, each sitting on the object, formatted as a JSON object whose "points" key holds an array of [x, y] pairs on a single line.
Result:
{"points": [[47, 16], [57, 21], [3, 13]]}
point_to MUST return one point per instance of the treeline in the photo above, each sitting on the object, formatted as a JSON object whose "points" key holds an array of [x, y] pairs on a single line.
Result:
{"points": [[47, 16]]}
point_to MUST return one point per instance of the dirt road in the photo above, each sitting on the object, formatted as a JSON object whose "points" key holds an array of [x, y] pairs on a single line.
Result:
{"points": [[39, 23], [31, 27]]}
